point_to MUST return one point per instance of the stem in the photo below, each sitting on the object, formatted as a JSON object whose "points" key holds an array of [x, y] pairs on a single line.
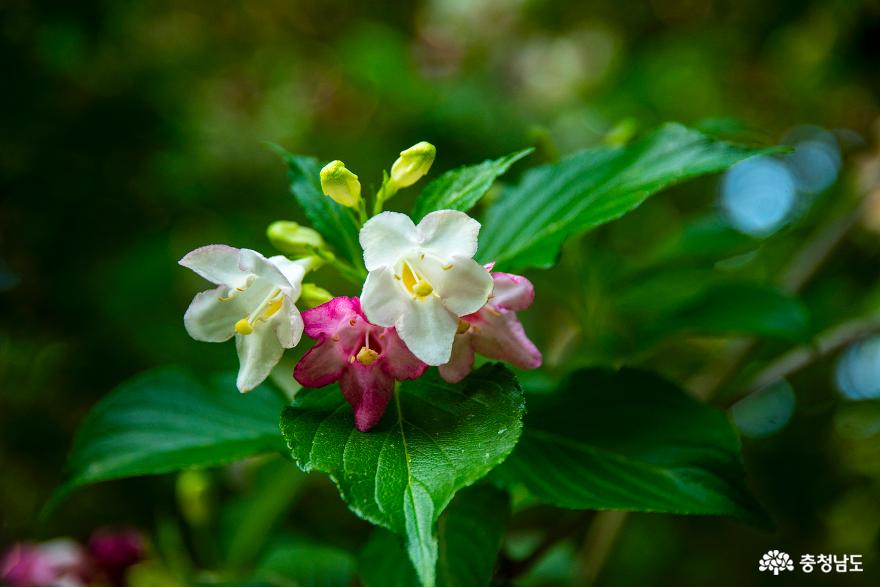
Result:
{"points": [[512, 569], [826, 343], [362, 211]]}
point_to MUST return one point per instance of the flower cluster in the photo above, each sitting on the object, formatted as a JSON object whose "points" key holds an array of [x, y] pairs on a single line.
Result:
{"points": [[424, 302], [63, 562]]}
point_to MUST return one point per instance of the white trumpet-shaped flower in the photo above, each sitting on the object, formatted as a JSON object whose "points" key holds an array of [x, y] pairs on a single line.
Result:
{"points": [[254, 301], [423, 278]]}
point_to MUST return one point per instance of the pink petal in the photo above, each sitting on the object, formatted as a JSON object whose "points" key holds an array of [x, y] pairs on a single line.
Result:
{"points": [[322, 365], [368, 389], [330, 317], [397, 360], [460, 362], [512, 292], [499, 335]]}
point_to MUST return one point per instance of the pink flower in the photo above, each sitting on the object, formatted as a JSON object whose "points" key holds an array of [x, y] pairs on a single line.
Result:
{"points": [[494, 331], [366, 359], [57, 563], [115, 551]]}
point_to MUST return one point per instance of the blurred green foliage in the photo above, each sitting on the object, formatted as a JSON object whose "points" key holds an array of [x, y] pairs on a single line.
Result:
{"points": [[133, 132]]}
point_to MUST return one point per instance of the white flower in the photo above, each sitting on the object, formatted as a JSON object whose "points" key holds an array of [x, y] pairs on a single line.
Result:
{"points": [[254, 302], [422, 278]]}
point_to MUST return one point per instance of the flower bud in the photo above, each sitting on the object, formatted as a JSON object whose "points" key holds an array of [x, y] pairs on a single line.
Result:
{"points": [[313, 296], [340, 184], [293, 239], [413, 164]]}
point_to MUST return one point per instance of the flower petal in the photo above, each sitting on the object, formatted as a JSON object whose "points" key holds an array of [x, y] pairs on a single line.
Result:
{"points": [[261, 350], [217, 263], [512, 292], [428, 329], [464, 285], [386, 238], [322, 365], [368, 390], [209, 319], [460, 362], [397, 360], [331, 317], [292, 271], [500, 335], [448, 233], [255, 263], [382, 299]]}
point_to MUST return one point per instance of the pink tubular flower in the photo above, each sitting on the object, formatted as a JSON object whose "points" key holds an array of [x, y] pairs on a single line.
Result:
{"points": [[494, 331], [57, 563], [114, 551], [366, 359]]}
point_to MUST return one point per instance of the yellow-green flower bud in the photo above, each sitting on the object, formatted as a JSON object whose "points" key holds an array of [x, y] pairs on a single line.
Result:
{"points": [[341, 184], [413, 164], [293, 239], [313, 296]]}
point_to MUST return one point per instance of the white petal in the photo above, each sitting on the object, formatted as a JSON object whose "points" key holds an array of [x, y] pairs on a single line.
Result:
{"points": [[254, 263], [428, 329], [447, 233], [463, 284], [383, 300], [293, 272], [386, 238], [210, 320], [217, 263], [260, 351]]}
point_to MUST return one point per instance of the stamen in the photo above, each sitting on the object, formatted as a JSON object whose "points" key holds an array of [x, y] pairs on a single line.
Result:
{"points": [[422, 289], [367, 356], [447, 267], [244, 327]]}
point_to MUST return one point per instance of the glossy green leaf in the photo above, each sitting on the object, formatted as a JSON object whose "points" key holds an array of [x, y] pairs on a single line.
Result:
{"points": [[469, 535], [462, 188], [739, 308], [629, 440], [167, 420], [435, 439], [334, 222], [529, 223]]}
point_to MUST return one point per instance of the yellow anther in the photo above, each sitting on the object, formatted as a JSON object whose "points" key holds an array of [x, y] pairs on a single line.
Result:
{"points": [[367, 356], [422, 289], [244, 327], [462, 327], [272, 308]]}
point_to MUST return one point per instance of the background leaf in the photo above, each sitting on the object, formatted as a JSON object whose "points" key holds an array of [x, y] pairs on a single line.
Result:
{"points": [[741, 308], [462, 188], [333, 221], [469, 536], [435, 439], [166, 420], [529, 223], [677, 455], [295, 562]]}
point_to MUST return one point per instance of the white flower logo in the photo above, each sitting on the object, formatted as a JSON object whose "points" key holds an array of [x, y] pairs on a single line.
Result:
{"points": [[776, 561]]}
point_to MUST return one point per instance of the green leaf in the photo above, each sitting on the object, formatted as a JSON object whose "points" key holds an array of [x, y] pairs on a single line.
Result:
{"points": [[293, 562], [166, 420], [334, 222], [435, 439], [529, 223], [462, 188], [739, 308], [469, 536], [629, 440]]}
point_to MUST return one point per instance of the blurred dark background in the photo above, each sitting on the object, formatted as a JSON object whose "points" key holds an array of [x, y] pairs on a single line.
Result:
{"points": [[133, 132]]}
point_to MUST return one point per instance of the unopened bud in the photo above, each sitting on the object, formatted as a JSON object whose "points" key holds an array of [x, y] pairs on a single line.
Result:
{"points": [[413, 164], [292, 239], [313, 296], [341, 184]]}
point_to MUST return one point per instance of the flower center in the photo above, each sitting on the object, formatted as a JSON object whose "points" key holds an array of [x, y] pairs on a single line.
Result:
{"points": [[414, 282], [267, 308]]}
